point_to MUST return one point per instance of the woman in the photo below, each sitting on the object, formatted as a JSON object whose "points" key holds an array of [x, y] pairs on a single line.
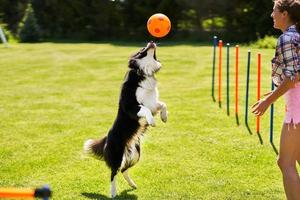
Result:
{"points": [[285, 75]]}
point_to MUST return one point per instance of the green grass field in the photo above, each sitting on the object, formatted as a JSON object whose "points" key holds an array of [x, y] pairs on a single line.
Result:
{"points": [[55, 96]]}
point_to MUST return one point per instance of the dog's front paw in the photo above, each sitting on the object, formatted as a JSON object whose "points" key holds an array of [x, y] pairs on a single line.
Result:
{"points": [[164, 116], [151, 121]]}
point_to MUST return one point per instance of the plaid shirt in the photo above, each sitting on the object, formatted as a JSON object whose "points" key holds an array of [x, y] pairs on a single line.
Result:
{"points": [[286, 62]]}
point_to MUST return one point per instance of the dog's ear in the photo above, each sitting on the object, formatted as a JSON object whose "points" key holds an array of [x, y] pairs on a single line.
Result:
{"points": [[133, 64]]}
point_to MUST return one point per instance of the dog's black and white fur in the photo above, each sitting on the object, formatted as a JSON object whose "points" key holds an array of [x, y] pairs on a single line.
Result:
{"points": [[138, 104]]}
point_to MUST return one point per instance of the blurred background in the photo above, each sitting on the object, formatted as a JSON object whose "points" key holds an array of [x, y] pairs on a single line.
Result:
{"points": [[98, 20]]}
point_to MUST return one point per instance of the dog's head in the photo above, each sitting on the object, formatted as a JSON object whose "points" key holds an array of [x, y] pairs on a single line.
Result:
{"points": [[145, 61]]}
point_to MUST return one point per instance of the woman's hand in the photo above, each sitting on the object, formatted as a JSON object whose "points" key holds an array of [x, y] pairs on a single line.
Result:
{"points": [[267, 94], [260, 107]]}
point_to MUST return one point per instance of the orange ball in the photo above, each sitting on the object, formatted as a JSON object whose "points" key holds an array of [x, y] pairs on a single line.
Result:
{"points": [[159, 25]]}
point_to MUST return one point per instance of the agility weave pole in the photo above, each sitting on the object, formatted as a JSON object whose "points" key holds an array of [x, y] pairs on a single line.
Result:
{"points": [[271, 116], [213, 69], [237, 84], [258, 95], [227, 78], [271, 121], [259, 57], [258, 90], [44, 193], [220, 74], [247, 88]]}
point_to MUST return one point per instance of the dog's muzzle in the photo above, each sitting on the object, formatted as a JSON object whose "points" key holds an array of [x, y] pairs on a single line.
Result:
{"points": [[151, 45]]}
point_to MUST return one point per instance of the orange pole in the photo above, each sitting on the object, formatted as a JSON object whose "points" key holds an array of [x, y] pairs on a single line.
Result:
{"points": [[16, 193], [258, 88], [220, 72], [236, 79]]}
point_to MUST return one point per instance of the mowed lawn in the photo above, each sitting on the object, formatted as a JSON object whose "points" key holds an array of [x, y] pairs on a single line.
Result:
{"points": [[54, 96]]}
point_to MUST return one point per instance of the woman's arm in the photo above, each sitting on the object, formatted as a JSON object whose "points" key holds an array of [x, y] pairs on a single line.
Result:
{"points": [[262, 105], [282, 89], [287, 48]]}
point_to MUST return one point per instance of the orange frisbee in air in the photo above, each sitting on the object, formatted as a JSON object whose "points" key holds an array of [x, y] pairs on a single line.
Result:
{"points": [[159, 25]]}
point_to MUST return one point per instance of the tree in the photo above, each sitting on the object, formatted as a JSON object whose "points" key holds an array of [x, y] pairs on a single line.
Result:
{"points": [[232, 20], [29, 30], [13, 12]]}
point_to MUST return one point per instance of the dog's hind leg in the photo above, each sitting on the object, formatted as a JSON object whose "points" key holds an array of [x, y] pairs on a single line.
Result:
{"points": [[128, 179], [113, 183]]}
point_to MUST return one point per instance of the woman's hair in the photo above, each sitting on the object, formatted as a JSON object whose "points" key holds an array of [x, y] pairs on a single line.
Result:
{"points": [[293, 9]]}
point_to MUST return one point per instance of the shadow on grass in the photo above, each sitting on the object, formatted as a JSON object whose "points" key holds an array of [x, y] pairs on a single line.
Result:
{"points": [[122, 196]]}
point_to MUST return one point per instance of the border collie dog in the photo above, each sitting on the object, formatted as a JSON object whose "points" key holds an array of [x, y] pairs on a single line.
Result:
{"points": [[138, 103]]}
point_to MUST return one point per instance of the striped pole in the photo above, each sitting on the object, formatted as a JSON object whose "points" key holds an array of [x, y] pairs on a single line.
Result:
{"points": [[2, 36], [247, 87], [271, 117], [43, 193], [227, 75], [16, 193], [258, 89], [213, 69], [220, 73], [237, 84]]}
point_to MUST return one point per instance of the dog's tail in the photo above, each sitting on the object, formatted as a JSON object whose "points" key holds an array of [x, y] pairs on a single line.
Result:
{"points": [[95, 147]]}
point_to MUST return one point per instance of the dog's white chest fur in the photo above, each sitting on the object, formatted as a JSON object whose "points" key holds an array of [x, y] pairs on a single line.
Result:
{"points": [[147, 94]]}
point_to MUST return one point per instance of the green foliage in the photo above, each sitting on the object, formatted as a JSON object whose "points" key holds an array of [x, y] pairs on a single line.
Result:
{"points": [[214, 23], [187, 24], [268, 42], [12, 12], [29, 30], [231, 20]]}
